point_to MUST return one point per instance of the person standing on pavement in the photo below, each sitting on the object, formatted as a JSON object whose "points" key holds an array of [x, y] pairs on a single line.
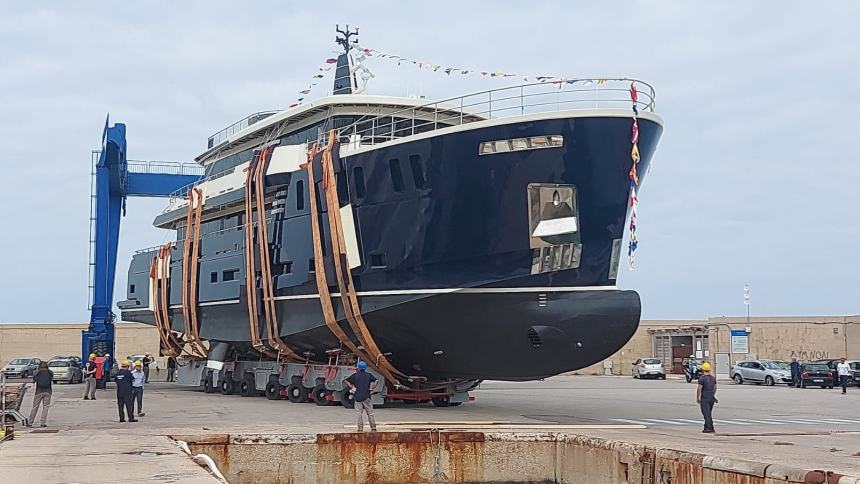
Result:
{"points": [[43, 378], [706, 396], [171, 368], [795, 373], [90, 378], [137, 386], [844, 371], [124, 398], [362, 384], [147, 360]]}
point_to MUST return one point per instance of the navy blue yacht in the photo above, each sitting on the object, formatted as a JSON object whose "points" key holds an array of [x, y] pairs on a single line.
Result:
{"points": [[482, 234]]}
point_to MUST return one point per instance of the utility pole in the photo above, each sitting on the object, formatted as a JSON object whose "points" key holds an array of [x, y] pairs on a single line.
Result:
{"points": [[747, 302]]}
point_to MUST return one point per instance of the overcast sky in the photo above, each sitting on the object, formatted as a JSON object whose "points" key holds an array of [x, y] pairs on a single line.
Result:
{"points": [[755, 179]]}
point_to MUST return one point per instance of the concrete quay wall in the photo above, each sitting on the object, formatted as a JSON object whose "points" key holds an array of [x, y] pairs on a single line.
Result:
{"points": [[455, 456]]}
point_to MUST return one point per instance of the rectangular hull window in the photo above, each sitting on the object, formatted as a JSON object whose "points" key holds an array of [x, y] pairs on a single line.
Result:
{"points": [[417, 172], [521, 144], [613, 261], [358, 181], [396, 174]]}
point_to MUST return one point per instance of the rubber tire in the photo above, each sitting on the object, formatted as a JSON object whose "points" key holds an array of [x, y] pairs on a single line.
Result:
{"points": [[347, 399], [227, 385], [688, 377], [319, 395], [208, 386], [768, 380], [662, 377], [247, 388], [273, 390], [297, 393], [738, 379], [442, 401]]}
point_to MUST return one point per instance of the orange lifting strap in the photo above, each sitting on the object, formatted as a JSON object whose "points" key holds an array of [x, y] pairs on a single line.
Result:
{"points": [[255, 191], [319, 264], [266, 260], [190, 269], [343, 274], [159, 275]]}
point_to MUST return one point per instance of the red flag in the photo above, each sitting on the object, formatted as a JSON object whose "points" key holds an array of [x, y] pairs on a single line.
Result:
{"points": [[634, 138], [331, 61], [633, 175], [634, 96]]}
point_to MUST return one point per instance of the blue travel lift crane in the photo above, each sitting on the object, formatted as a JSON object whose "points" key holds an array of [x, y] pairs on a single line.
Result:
{"points": [[115, 178]]}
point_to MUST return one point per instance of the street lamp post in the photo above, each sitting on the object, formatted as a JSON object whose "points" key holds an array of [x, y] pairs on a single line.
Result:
{"points": [[747, 302]]}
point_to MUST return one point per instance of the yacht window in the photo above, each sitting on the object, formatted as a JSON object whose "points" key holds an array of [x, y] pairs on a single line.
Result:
{"points": [[358, 181], [300, 195], [131, 289], [417, 171], [520, 144], [342, 190], [230, 274], [377, 261], [213, 277], [396, 174], [288, 267], [311, 267]]}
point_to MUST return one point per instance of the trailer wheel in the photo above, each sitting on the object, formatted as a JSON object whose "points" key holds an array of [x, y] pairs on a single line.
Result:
{"points": [[227, 385], [442, 401], [320, 395], [297, 393], [347, 399], [273, 390], [208, 386], [246, 388]]}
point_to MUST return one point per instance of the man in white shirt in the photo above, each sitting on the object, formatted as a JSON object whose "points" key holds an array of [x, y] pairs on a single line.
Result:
{"points": [[844, 372], [137, 386]]}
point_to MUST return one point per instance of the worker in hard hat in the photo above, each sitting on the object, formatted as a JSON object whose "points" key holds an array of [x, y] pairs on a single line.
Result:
{"points": [[124, 398], [90, 378], [147, 360], [137, 386], [361, 384], [706, 396]]}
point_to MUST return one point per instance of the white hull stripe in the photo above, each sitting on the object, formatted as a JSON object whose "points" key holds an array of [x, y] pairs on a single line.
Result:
{"points": [[406, 292]]}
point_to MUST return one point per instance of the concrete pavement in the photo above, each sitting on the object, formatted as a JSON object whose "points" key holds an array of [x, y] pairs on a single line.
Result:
{"points": [[810, 427]]}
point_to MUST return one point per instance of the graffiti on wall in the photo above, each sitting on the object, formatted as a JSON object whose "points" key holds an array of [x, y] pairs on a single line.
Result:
{"points": [[807, 355]]}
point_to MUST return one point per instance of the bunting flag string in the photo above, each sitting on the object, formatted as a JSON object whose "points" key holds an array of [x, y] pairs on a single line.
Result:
{"points": [[449, 71], [314, 81], [634, 178]]}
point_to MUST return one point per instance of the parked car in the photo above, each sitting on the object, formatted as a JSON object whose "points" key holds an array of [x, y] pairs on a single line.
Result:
{"points": [[22, 367], [66, 370], [769, 372], [831, 363], [816, 374], [75, 358], [648, 368], [855, 371]]}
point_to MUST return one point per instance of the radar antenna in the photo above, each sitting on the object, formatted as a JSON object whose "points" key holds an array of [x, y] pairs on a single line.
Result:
{"points": [[344, 38]]}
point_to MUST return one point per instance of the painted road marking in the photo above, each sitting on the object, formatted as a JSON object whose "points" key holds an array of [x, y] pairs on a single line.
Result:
{"points": [[741, 421], [625, 420], [669, 422]]}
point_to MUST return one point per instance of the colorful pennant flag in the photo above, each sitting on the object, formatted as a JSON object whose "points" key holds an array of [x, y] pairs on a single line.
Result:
{"points": [[634, 177]]}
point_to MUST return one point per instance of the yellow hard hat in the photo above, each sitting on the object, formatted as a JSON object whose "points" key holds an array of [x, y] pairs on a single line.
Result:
{"points": [[92, 356], [125, 363], [138, 363], [706, 366]]}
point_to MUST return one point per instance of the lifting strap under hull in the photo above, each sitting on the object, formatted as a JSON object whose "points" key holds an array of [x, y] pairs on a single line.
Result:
{"points": [[343, 275], [255, 191], [159, 276], [190, 272]]}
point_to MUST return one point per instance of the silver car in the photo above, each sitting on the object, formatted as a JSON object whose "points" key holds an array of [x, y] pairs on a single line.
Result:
{"points": [[67, 370], [22, 367], [648, 368], [769, 372]]}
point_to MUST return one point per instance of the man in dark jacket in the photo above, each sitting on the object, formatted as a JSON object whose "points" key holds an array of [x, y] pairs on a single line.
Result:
{"points": [[147, 360], [795, 373], [124, 395], [706, 396], [362, 384], [43, 378], [171, 368]]}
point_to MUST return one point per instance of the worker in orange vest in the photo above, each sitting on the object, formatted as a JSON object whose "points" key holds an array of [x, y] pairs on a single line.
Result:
{"points": [[100, 371]]}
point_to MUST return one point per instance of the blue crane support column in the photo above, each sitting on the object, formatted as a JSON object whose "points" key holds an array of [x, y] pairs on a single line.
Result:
{"points": [[113, 184]]}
